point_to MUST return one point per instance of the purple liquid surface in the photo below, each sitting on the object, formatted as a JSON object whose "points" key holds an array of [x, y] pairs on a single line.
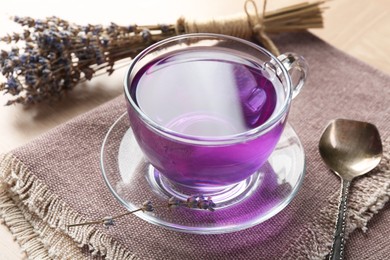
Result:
{"points": [[202, 94]]}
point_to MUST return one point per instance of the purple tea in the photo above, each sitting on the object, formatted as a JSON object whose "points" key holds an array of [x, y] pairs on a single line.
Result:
{"points": [[203, 96]]}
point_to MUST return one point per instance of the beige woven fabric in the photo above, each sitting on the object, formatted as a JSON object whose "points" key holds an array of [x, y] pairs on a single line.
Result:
{"points": [[56, 180]]}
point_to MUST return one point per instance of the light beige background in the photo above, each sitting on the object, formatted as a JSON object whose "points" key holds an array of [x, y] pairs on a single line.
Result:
{"points": [[358, 27]]}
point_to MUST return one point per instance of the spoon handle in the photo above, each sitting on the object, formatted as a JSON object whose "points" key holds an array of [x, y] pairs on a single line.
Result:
{"points": [[337, 252]]}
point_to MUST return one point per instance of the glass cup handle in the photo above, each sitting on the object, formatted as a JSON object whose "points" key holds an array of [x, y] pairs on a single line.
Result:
{"points": [[298, 69]]}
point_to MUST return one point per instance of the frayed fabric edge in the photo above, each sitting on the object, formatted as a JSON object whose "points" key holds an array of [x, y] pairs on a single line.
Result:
{"points": [[21, 229], [36, 217]]}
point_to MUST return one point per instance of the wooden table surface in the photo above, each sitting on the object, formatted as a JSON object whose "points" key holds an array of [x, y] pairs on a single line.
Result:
{"points": [[358, 27]]}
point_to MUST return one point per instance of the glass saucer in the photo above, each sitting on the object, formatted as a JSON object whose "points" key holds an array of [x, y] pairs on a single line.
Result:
{"points": [[128, 176]]}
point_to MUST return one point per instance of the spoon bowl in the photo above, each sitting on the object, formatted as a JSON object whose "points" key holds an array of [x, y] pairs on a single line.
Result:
{"points": [[350, 149]]}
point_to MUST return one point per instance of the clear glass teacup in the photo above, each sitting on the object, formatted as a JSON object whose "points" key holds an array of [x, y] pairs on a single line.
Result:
{"points": [[207, 110]]}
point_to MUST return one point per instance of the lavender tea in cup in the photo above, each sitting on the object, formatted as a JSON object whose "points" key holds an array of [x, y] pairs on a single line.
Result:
{"points": [[208, 110]]}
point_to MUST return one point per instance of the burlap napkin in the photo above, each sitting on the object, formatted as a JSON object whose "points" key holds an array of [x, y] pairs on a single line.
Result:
{"points": [[56, 180]]}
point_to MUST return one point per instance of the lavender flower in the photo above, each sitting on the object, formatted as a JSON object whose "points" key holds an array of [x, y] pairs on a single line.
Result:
{"points": [[200, 202], [174, 202], [108, 221], [196, 201], [192, 202], [147, 206], [207, 204]]}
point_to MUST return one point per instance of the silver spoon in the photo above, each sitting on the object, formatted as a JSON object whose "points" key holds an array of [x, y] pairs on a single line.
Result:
{"points": [[350, 149]]}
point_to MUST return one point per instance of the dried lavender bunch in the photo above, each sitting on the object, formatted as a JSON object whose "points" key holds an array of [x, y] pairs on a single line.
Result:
{"points": [[195, 202], [57, 55]]}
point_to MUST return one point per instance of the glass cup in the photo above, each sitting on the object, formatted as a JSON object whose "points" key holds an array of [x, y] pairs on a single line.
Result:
{"points": [[207, 111]]}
